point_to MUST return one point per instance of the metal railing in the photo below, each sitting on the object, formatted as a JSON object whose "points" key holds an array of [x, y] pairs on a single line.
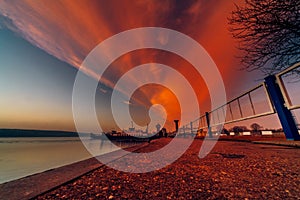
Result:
{"points": [[283, 89], [234, 110], [242, 113]]}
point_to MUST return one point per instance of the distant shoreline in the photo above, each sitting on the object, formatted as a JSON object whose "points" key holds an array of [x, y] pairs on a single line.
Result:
{"points": [[5, 133]]}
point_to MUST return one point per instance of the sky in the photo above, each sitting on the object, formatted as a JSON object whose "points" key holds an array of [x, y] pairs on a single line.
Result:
{"points": [[43, 45]]}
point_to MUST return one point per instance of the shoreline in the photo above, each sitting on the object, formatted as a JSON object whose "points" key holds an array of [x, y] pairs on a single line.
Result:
{"points": [[231, 170], [36, 184], [21, 157], [40, 184]]}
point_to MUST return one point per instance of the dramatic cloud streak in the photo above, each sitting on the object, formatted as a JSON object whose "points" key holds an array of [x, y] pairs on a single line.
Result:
{"points": [[70, 29]]}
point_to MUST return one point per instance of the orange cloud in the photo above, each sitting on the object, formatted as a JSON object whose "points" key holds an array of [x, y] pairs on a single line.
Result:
{"points": [[70, 29]]}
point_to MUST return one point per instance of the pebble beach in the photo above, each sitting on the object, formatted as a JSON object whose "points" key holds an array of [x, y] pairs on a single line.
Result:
{"points": [[232, 170]]}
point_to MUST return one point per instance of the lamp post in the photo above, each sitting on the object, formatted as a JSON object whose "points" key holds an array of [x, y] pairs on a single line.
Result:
{"points": [[176, 124]]}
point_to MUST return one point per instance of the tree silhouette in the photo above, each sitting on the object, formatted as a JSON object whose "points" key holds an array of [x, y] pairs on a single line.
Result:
{"points": [[255, 127], [238, 129], [225, 131], [268, 33]]}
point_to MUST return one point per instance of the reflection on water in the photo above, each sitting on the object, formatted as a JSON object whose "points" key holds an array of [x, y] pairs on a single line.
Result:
{"points": [[21, 157]]}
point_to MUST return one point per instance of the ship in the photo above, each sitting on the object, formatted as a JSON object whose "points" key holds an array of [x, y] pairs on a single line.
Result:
{"points": [[132, 135]]}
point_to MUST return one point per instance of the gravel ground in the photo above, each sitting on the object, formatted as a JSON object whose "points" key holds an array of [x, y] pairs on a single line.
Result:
{"points": [[232, 170]]}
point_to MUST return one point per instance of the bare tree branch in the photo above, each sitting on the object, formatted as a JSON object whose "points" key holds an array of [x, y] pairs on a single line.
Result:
{"points": [[268, 33]]}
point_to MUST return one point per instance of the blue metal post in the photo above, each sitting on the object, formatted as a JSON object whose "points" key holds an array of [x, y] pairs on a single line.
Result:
{"points": [[285, 116], [208, 124]]}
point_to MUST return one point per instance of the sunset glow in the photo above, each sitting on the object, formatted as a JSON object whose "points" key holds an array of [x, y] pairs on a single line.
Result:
{"points": [[69, 30]]}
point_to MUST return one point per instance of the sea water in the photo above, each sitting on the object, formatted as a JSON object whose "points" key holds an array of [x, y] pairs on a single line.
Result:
{"points": [[20, 157]]}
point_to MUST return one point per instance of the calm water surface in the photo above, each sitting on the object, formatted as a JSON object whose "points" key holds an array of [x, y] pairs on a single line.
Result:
{"points": [[21, 157]]}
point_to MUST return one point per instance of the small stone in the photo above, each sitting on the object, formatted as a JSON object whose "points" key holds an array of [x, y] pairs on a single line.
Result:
{"points": [[105, 188], [114, 187]]}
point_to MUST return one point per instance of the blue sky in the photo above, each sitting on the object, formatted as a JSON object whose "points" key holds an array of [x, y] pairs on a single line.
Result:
{"points": [[43, 44], [36, 88]]}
